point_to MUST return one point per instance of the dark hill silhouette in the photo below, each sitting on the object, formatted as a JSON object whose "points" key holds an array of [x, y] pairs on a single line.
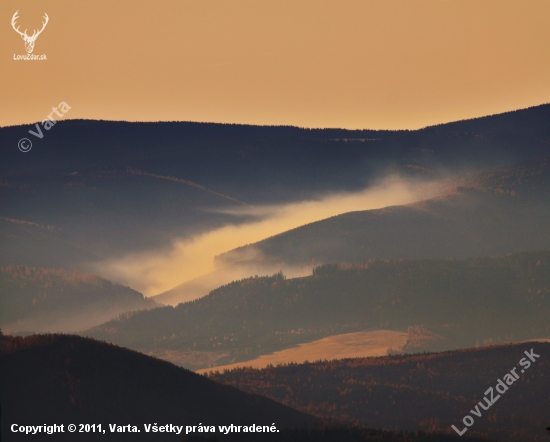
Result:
{"points": [[224, 152], [67, 379], [427, 391], [499, 299], [54, 299]]}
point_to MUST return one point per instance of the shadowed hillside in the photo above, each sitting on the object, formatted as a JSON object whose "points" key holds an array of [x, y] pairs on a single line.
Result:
{"points": [[68, 379], [490, 212], [428, 392], [99, 212], [499, 299], [495, 211], [45, 299]]}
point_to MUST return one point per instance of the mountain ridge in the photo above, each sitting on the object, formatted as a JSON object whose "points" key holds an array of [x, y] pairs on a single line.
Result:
{"points": [[503, 114]]}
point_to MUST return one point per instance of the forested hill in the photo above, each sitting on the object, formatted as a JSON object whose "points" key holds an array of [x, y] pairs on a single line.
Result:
{"points": [[490, 212], [67, 379], [229, 150], [427, 391], [497, 299], [37, 299]]}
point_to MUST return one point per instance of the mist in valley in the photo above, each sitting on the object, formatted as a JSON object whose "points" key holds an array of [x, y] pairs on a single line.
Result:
{"points": [[190, 261]]}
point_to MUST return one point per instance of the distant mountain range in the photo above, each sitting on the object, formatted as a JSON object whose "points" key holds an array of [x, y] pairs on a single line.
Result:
{"points": [[34, 299], [468, 268], [238, 156], [418, 392], [110, 188], [69, 207], [499, 299]]}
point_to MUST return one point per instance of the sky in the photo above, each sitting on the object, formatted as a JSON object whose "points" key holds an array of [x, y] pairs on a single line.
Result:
{"points": [[379, 64]]}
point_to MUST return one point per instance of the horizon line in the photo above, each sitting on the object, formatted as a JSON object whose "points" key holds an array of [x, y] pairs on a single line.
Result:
{"points": [[279, 125]]}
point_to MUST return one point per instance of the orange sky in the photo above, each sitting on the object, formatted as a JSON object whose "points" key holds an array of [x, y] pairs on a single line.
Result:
{"points": [[354, 64]]}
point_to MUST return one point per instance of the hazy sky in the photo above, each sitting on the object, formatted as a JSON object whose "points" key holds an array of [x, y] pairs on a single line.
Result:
{"points": [[338, 63]]}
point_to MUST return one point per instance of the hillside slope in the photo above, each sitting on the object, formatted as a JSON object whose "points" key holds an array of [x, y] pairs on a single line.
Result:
{"points": [[34, 299], [430, 391], [489, 212], [67, 379], [501, 299], [495, 211], [98, 212]]}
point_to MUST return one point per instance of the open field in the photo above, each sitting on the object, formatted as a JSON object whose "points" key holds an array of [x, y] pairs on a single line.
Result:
{"points": [[348, 345]]}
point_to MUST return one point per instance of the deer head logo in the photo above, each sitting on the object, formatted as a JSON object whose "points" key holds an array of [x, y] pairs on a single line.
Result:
{"points": [[29, 40]]}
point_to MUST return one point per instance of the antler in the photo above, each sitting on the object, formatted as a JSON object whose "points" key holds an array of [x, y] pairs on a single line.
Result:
{"points": [[44, 23], [24, 34], [13, 19]]}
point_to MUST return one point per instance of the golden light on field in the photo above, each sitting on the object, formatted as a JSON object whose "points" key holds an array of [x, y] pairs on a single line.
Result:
{"points": [[349, 345]]}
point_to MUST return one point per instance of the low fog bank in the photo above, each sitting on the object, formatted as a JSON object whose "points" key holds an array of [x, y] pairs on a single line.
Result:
{"points": [[188, 266]]}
